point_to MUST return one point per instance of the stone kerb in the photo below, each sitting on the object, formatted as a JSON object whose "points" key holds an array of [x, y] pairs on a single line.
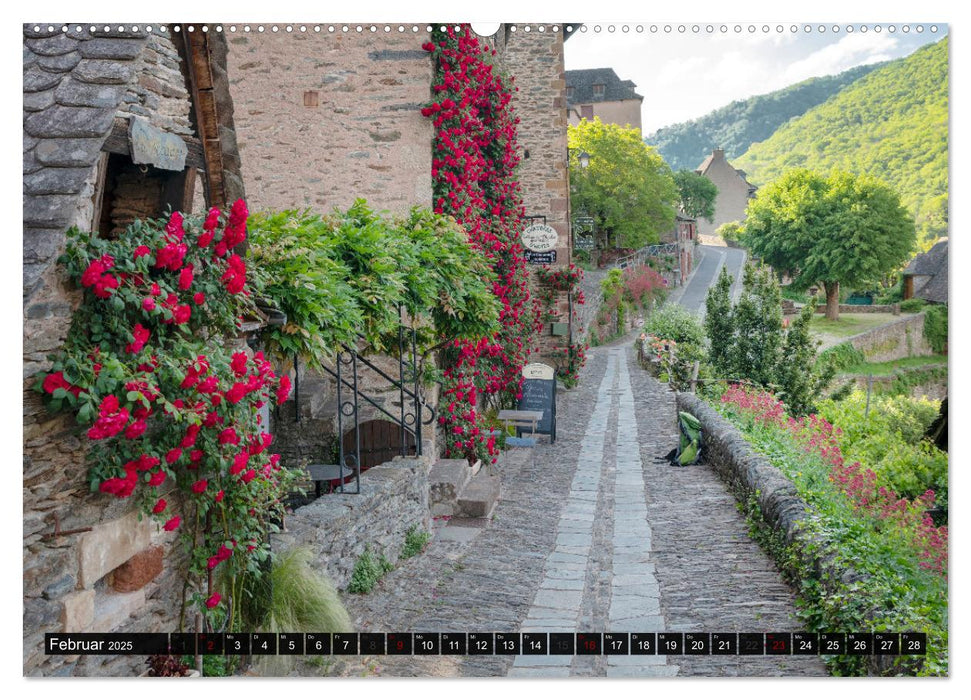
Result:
{"points": [[747, 473], [337, 527]]}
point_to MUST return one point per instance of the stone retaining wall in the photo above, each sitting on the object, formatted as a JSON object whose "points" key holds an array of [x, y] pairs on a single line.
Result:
{"points": [[894, 341], [393, 498], [863, 309], [747, 472]]}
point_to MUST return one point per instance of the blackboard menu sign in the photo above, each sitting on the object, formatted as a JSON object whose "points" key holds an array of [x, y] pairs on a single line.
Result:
{"points": [[539, 394]]}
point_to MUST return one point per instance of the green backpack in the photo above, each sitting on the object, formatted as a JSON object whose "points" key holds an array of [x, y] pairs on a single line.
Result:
{"points": [[689, 444]]}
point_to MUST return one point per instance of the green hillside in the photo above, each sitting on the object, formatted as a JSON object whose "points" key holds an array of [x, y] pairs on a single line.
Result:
{"points": [[737, 126], [892, 124]]}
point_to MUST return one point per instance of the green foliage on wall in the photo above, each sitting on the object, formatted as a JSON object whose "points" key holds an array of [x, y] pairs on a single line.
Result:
{"points": [[345, 274]]}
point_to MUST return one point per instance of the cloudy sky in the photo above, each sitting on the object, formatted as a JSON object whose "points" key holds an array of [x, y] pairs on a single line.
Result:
{"points": [[684, 75]]}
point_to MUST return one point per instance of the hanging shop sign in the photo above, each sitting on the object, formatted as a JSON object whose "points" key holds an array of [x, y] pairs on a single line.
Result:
{"points": [[546, 258], [539, 238]]}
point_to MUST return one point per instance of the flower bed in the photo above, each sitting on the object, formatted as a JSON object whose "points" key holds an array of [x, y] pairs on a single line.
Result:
{"points": [[899, 556], [625, 291]]}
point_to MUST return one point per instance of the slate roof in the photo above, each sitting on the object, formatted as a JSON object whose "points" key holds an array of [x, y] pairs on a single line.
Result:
{"points": [[73, 85], [615, 89], [933, 264]]}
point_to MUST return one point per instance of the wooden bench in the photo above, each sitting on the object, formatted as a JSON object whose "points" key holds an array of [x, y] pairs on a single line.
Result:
{"points": [[521, 419]]}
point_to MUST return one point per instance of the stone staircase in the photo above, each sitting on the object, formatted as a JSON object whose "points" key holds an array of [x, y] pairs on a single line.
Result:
{"points": [[461, 491]]}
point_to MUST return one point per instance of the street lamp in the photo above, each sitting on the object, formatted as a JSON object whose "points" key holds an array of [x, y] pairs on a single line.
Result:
{"points": [[584, 159]]}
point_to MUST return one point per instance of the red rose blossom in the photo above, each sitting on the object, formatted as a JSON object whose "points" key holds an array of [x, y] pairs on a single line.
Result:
{"points": [[185, 277], [200, 486], [213, 600], [160, 505], [172, 524]]}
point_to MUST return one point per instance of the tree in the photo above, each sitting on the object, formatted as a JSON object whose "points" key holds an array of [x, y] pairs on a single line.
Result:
{"points": [[757, 331], [840, 229], [751, 341], [718, 325], [730, 230], [627, 187], [697, 194]]}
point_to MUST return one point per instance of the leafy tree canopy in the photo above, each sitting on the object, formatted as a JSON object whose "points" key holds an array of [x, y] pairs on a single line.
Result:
{"points": [[698, 194], [627, 187], [891, 124], [840, 229]]}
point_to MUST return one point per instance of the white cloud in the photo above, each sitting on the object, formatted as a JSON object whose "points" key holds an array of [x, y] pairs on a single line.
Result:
{"points": [[852, 50]]}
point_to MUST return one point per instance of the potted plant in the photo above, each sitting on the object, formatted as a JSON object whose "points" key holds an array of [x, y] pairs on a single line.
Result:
{"points": [[166, 665]]}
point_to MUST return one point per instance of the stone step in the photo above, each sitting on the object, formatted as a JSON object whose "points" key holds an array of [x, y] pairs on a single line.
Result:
{"points": [[446, 480], [480, 495]]}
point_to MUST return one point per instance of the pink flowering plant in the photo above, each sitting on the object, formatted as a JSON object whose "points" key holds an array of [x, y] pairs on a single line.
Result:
{"points": [[889, 538], [172, 416]]}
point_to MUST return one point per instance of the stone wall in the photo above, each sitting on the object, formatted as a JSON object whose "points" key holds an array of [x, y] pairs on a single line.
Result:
{"points": [[393, 498], [108, 576], [863, 308], [894, 341], [748, 473], [535, 61], [323, 119]]}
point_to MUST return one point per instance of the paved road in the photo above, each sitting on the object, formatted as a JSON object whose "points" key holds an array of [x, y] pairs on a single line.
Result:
{"points": [[713, 258], [595, 533]]}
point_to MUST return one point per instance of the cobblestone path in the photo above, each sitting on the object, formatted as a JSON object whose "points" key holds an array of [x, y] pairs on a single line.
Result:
{"points": [[593, 533]]}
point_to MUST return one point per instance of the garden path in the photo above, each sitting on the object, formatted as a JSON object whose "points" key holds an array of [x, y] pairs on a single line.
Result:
{"points": [[593, 533]]}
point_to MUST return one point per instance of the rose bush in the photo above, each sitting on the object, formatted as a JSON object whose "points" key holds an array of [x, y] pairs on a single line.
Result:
{"points": [[173, 414], [474, 159]]}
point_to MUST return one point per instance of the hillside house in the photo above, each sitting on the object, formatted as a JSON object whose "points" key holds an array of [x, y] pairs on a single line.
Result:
{"points": [[734, 191]]}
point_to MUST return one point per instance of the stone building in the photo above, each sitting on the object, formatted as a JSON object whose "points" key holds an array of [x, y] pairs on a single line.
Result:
{"points": [[117, 125], [685, 236], [599, 92], [926, 275], [734, 191], [325, 118], [320, 119]]}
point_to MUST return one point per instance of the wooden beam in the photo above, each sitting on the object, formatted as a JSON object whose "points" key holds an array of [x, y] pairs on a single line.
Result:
{"points": [[199, 73]]}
